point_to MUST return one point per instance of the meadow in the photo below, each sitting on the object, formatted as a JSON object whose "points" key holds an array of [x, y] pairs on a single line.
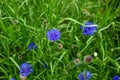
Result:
{"points": [[59, 40]]}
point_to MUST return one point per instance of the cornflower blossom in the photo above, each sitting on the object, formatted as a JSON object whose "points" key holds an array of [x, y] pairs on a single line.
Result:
{"points": [[116, 77], [84, 75], [53, 35], [32, 46], [89, 29], [25, 69], [12, 78]]}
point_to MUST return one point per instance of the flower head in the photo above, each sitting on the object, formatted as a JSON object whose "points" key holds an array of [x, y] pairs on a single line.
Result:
{"points": [[95, 54], [116, 77], [81, 76], [53, 35], [60, 45], [88, 58], [76, 61], [12, 78], [25, 69], [32, 46], [88, 29], [20, 57], [84, 75]]}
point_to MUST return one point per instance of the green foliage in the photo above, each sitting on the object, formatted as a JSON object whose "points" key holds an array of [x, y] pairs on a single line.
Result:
{"points": [[25, 21]]}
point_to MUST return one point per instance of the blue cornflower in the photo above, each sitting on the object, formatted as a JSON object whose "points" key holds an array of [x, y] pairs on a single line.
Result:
{"points": [[25, 69], [32, 46], [81, 76], [116, 77], [84, 76], [88, 29], [53, 35], [12, 78]]}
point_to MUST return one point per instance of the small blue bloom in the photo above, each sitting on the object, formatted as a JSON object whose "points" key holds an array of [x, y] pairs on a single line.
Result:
{"points": [[84, 76], [25, 69], [88, 29], [12, 78], [116, 77], [88, 75], [81, 76], [32, 46], [53, 35]]}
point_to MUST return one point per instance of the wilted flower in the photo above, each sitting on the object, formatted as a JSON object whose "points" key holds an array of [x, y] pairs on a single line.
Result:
{"points": [[116, 77], [88, 29], [76, 61], [60, 45], [12, 78], [44, 22], [15, 21], [53, 35], [32, 46], [84, 75], [23, 77], [25, 69], [20, 57], [87, 58], [78, 55]]}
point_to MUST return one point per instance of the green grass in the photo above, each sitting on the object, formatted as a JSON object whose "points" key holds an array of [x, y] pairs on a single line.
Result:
{"points": [[25, 21]]}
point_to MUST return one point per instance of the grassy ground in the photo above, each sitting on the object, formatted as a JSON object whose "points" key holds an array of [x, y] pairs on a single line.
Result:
{"points": [[25, 21]]}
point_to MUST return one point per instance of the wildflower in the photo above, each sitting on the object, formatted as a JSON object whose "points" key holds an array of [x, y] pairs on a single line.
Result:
{"points": [[23, 77], [88, 29], [88, 58], [95, 54], [60, 45], [116, 77], [25, 69], [44, 22], [76, 61], [20, 57], [53, 35], [15, 21], [12, 78], [78, 55], [32, 46], [84, 75]]}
